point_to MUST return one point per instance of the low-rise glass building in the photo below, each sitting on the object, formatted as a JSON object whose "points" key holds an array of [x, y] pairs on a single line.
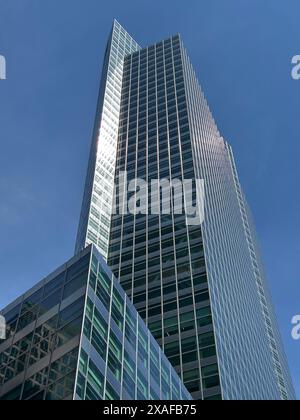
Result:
{"points": [[76, 335]]}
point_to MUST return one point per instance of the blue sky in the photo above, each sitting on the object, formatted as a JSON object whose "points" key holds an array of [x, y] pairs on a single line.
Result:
{"points": [[242, 51]]}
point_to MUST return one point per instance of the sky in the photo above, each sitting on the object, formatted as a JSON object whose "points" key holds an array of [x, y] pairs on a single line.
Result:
{"points": [[242, 52]]}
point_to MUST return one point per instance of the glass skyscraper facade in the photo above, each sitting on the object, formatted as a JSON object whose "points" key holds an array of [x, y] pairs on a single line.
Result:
{"points": [[76, 335], [95, 218], [201, 290], [152, 307], [160, 260], [251, 358]]}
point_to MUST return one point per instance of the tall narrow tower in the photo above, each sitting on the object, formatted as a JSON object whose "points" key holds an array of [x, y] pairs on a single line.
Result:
{"points": [[200, 288], [95, 218]]}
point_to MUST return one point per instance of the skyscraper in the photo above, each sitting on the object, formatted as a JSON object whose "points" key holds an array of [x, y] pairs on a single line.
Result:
{"points": [[201, 289], [95, 219]]}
